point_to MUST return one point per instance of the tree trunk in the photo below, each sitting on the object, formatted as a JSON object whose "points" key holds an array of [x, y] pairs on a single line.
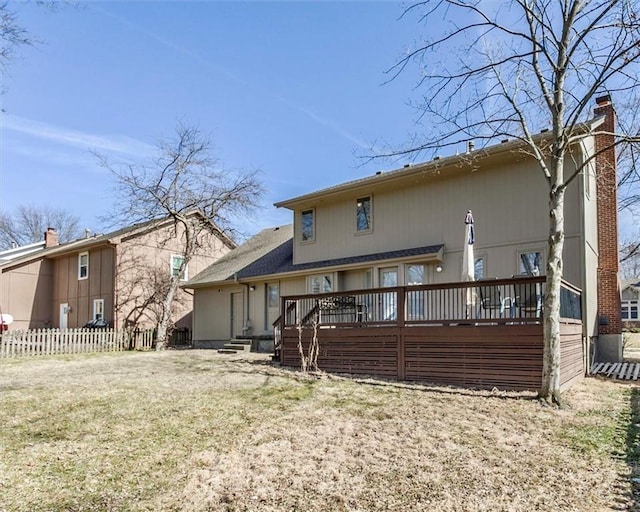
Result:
{"points": [[550, 390], [163, 325]]}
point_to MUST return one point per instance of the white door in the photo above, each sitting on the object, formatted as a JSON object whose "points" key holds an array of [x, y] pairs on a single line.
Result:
{"points": [[237, 314], [64, 315], [389, 278]]}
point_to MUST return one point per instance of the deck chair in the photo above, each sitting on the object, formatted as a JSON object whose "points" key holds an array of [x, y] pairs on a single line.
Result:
{"points": [[492, 303], [527, 299]]}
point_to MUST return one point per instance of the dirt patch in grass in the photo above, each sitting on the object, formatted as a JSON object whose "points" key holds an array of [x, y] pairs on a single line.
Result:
{"points": [[201, 431]]}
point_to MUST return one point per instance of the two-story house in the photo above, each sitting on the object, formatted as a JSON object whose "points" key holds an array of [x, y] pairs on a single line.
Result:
{"points": [[406, 227], [110, 276]]}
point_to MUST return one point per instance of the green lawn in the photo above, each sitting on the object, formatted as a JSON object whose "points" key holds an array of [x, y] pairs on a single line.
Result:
{"points": [[201, 431]]}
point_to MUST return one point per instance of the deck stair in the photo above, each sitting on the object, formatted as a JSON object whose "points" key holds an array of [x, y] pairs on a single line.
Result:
{"points": [[236, 345], [618, 371]]}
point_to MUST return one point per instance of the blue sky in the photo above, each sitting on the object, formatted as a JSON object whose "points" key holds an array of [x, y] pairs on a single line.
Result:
{"points": [[295, 89]]}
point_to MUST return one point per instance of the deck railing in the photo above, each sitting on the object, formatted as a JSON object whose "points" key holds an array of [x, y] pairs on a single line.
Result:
{"points": [[489, 301]]}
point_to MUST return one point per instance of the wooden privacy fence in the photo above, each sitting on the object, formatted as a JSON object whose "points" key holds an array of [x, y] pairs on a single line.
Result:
{"points": [[42, 342]]}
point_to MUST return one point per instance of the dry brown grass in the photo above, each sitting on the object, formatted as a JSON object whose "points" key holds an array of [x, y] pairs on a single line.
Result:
{"points": [[200, 431]]}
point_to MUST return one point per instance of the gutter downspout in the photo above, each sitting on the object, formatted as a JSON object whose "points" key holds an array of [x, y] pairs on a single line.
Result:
{"points": [[247, 322]]}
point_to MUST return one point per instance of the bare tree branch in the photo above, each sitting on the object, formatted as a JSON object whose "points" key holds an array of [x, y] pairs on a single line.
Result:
{"points": [[28, 223], [185, 184], [491, 70]]}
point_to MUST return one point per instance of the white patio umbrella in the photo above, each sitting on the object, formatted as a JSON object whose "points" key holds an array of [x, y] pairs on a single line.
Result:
{"points": [[468, 260]]}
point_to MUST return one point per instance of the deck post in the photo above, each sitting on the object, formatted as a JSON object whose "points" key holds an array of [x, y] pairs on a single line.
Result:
{"points": [[401, 301]]}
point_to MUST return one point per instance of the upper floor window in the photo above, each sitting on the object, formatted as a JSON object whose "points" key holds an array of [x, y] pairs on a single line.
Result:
{"points": [[176, 263], [308, 225], [363, 214], [530, 263], [83, 265]]}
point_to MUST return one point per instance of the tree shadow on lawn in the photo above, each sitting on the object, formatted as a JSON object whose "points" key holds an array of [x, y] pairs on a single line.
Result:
{"points": [[632, 455]]}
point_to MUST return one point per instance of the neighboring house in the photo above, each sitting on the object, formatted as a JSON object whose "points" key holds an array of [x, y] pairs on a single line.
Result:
{"points": [[407, 227], [630, 303], [109, 276], [20, 251]]}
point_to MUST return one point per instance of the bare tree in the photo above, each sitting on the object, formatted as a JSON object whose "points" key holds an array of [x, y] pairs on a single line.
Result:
{"points": [[12, 35], [508, 69], [184, 184], [141, 290], [28, 223], [630, 259]]}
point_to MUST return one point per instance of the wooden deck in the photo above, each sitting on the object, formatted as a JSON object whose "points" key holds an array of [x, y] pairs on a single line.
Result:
{"points": [[501, 356], [485, 334], [618, 371]]}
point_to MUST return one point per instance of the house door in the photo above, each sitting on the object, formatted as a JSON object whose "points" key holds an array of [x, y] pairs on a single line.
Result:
{"points": [[389, 306], [64, 315], [273, 304], [237, 314]]}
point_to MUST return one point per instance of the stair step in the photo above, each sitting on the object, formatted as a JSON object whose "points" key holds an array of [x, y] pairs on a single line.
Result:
{"points": [[237, 346], [227, 351], [240, 341]]}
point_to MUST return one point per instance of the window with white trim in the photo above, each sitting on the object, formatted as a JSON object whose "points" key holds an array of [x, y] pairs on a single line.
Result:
{"points": [[415, 275], [176, 263], [630, 310], [273, 295], [98, 309], [531, 263], [83, 265], [322, 283], [307, 223], [478, 268], [363, 214]]}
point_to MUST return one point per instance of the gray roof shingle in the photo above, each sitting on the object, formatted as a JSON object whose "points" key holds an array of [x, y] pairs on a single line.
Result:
{"points": [[270, 252]]}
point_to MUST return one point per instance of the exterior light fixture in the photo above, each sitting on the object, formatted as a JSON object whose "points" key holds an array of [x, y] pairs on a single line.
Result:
{"points": [[439, 268]]}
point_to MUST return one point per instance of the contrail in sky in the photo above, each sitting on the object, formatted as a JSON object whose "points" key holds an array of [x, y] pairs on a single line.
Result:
{"points": [[111, 143], [306, 111]]}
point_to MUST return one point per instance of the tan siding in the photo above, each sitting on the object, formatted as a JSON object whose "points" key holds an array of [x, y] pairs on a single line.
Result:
{"points": [[149, 252], [80, 293], [212, 307], [352, 280], [509, 205], [212, 313], [26, 295]]}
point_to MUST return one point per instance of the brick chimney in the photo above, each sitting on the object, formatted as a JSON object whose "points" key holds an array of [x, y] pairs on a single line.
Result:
{"points": [[50, 237], [607, 201]]}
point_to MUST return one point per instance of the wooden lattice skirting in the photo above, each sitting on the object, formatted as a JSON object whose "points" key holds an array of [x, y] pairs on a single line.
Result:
{"points": [[620, 371]]}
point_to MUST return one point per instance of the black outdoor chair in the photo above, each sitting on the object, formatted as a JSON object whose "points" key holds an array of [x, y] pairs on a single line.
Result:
{"points": [[527, 299], [492, 301]]}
